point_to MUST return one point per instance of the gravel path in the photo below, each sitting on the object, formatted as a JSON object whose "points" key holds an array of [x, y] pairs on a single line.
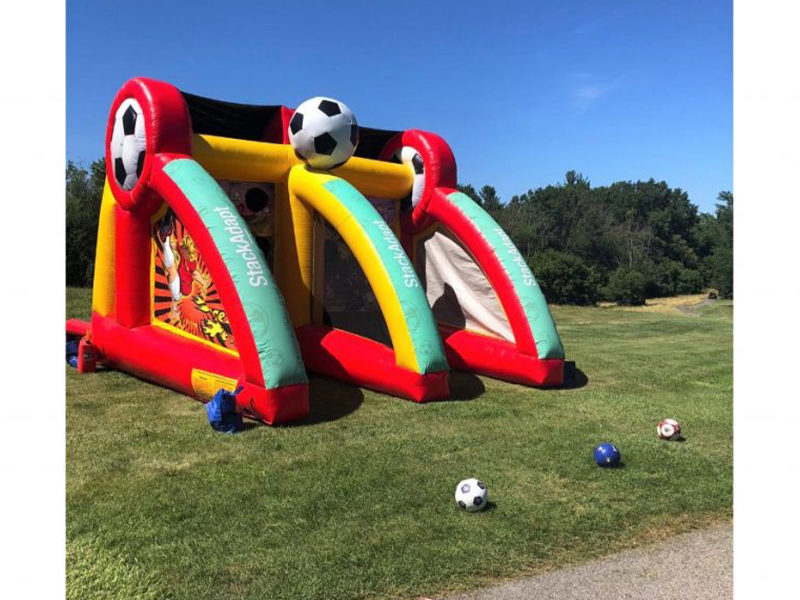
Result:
{"points": [[696, 566]]}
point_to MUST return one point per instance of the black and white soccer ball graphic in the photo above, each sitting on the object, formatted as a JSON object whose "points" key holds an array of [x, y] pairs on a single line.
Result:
{"points": [[472, 495], [323, 133], [408, 156], [128, 140]]}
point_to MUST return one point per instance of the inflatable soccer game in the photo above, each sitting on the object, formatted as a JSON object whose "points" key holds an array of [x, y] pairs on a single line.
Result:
{"points": [[240, 247]]}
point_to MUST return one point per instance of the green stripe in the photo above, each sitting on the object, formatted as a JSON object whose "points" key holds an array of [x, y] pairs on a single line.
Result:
{"points": [[281, 362], [548, 343], [417, 312]]}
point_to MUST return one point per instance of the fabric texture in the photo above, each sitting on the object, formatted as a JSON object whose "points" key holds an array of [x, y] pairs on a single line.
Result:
{"points": [[457, 289], [221, 411]]}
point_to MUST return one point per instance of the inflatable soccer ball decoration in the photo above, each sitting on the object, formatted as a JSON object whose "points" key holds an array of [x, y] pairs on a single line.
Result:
{"points": [[408, 156], [669, 429], [472, 495], [607, 455], [323, 133], [128, 144]]}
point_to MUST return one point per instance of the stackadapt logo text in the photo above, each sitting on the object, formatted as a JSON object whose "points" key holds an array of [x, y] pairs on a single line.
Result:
{"points": [[515, 257], [245, 246], [393, 245]]}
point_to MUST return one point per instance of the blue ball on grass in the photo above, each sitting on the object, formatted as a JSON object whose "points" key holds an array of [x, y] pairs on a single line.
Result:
{"points": [[607, 455]]}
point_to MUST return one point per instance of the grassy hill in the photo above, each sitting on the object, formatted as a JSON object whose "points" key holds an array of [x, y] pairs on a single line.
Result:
{"points": [[357, 501]]}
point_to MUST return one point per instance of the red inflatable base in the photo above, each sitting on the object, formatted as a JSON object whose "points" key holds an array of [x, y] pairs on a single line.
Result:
{"points": [[169, 360], [467, 351], [274, 406], [77, 328], [366, 363]]}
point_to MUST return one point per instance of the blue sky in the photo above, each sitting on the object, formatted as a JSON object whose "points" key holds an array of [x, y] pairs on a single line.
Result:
{"points": [[522, 91]]}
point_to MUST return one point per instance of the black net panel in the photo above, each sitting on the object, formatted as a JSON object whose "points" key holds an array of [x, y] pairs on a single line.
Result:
{"points": [[348, 301], [371, 141], [228, 119]]}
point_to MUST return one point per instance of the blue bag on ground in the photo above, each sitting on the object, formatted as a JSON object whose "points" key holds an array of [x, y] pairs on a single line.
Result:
{"points": [[72, 354], [222, 415]]}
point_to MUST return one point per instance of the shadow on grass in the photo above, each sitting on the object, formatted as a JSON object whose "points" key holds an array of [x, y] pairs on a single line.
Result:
{"points": [[616, 467], [464, 386], [574, 378], [330, 400], [248, 424]]}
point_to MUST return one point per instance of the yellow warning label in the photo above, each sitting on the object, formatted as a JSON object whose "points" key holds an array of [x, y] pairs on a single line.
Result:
{"points": [[206, 384]]}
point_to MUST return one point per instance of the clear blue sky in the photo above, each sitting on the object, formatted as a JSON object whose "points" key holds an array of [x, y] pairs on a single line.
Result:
{"points": [[522, 91]]}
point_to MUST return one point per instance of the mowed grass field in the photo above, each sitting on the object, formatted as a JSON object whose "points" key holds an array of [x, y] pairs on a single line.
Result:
{"points": [[357, 501]]}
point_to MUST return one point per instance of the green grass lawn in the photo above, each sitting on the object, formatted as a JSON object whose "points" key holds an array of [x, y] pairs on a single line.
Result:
{"points": [[357, 502]]}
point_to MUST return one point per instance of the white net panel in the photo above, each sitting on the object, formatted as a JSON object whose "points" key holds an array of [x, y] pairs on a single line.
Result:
{"points": [[458, 291]]}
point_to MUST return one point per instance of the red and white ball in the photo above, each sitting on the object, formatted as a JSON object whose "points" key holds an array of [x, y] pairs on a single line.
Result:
{"points": [[669, 429]]}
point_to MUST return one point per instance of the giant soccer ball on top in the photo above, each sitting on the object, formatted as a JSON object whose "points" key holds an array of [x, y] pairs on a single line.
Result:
{"points": [[128, 139], [323, 133], [472, 495]]}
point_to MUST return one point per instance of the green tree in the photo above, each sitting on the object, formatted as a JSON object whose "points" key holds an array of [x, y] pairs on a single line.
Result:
{"points": [[720, 261], [565, 279], [489, 199], [84, 191], [626, 286], [469, 190]]}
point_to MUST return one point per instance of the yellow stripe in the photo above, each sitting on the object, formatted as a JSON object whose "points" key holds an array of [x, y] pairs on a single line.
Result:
{"points": [[246, 160], [104, 261], [308, 188], [167, 327], [242, 160], [294, 223], [377, 177]]}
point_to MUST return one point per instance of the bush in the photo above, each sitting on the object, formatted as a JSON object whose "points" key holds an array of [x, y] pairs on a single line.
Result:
{"points": [[671, 278], [626, 286], [565, 278]]}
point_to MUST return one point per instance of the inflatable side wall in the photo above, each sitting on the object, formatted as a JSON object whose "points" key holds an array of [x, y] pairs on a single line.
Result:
{"points": [[230, 327], [529, 351], [224, 262]]}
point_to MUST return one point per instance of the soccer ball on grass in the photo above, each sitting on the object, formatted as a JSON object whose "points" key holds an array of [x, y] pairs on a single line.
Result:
{"points": [[669, 429], [607, 455], [472, 495]]}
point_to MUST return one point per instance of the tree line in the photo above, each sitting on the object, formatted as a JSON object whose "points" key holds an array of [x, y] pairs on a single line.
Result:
{"points": [[623, 242]]}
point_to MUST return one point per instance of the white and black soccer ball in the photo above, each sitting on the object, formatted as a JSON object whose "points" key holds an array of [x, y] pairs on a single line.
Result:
{"points": [[472, 495], [323, 133], [408, 156], [669, 429], [128, 141]]}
